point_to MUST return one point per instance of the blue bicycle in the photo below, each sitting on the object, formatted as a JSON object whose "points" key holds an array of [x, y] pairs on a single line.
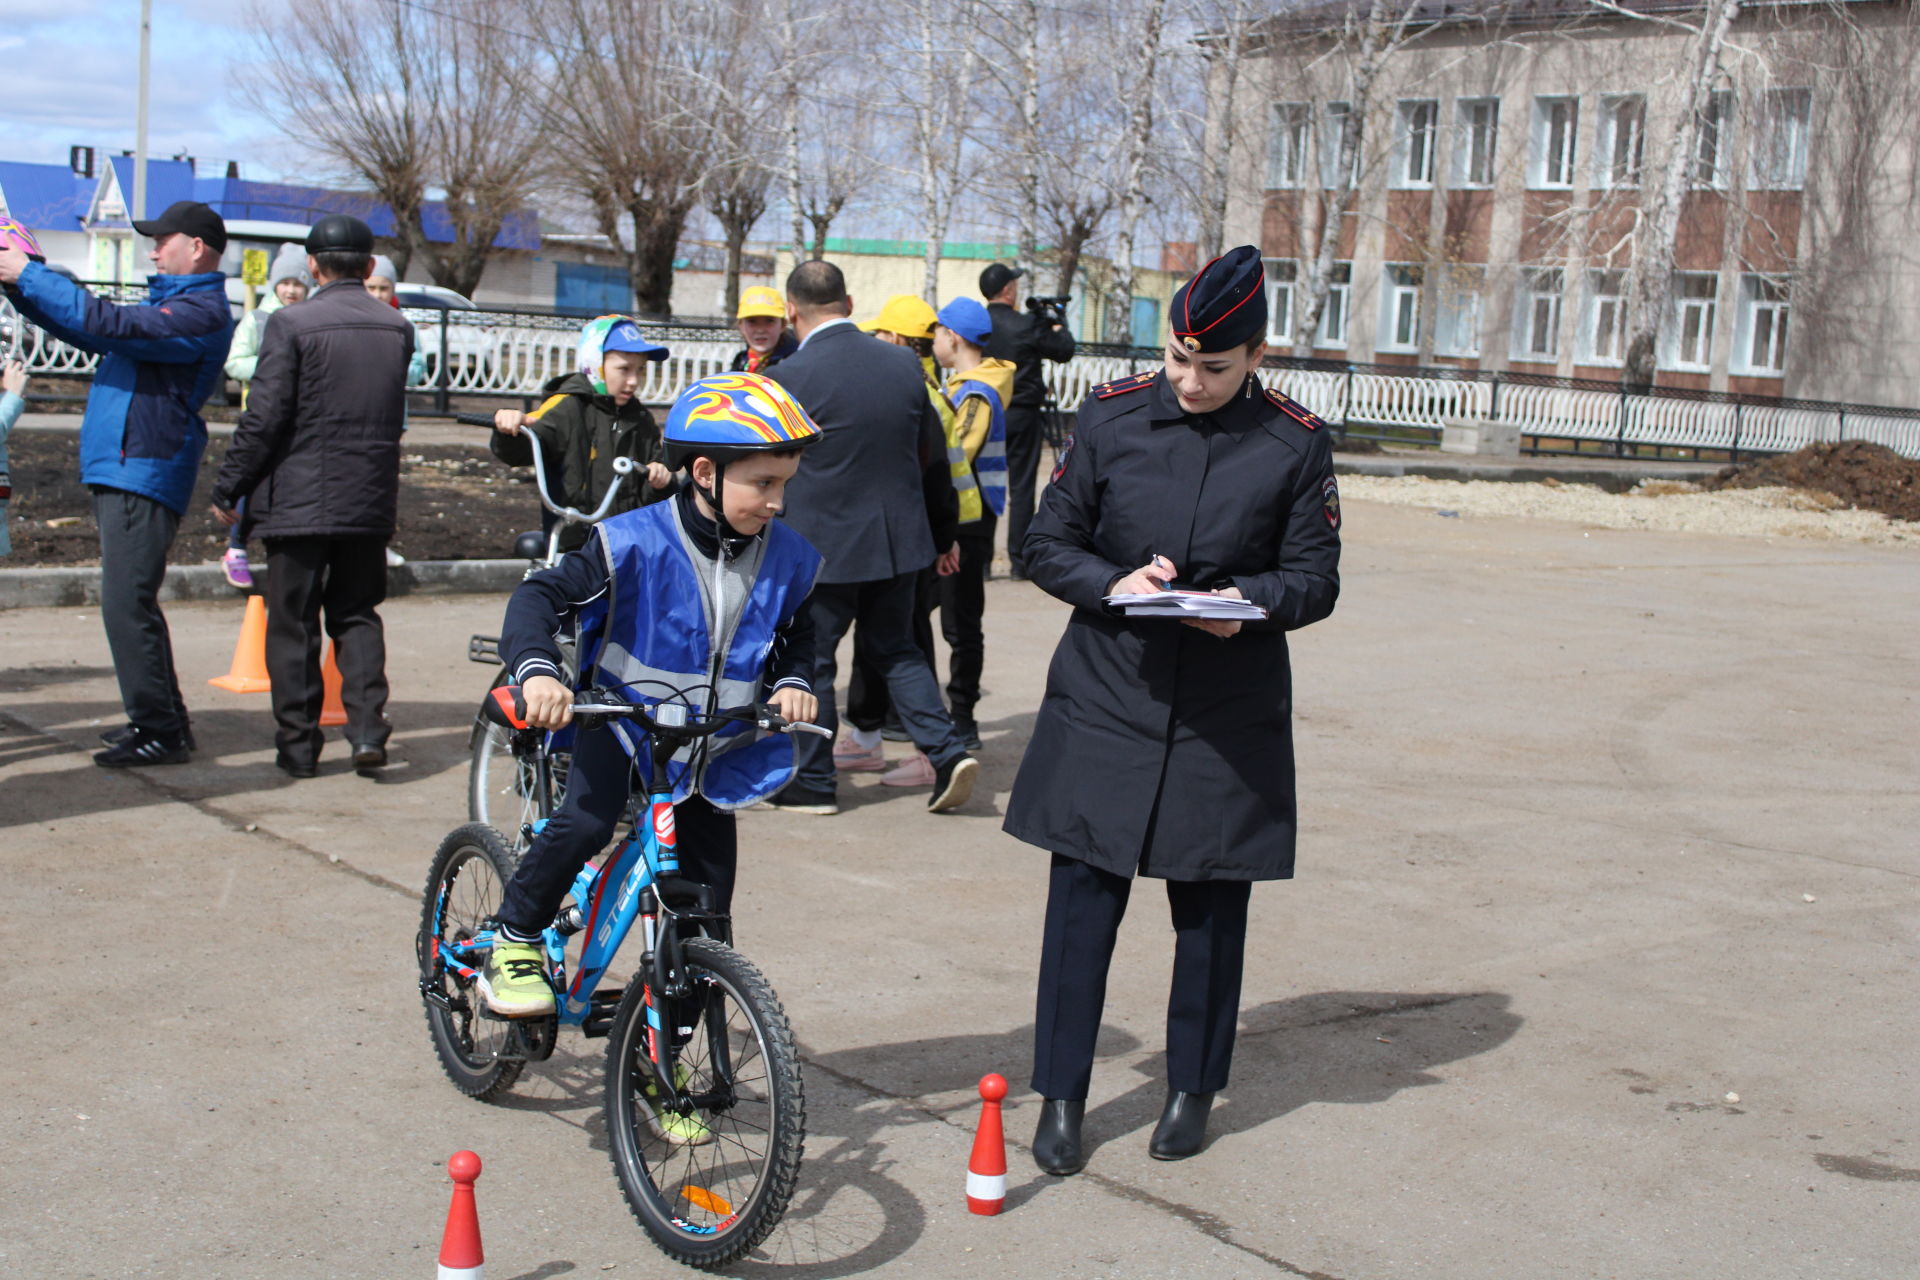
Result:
{"points": [[706, 1117]]}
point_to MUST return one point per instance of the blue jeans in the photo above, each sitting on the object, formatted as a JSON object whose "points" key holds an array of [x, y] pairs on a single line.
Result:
{"points": [[883, 610]]}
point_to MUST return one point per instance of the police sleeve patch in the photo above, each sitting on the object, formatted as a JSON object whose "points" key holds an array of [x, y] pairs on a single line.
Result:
{"points": [[1066, 451], [1330, 501]]}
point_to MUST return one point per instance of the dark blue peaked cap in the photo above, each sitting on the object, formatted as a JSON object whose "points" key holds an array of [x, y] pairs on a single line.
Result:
{"points": [[1225, 305]]}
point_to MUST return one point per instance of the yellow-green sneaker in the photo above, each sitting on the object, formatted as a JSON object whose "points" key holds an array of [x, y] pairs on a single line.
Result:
{"points": [[682, 1131], [514, 980]]}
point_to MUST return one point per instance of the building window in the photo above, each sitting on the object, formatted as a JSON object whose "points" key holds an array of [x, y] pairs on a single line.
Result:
{"points": [[1622, 141], [1333, 125], [1415, 137], [1282, 274], [1695, 294], [1456, 329], [1712, 141], [1603, 321], [1477, 136], [1780, 130], [1556, 125], [1333, 315], [1400, 307], [1762, 340], [1287, 148], [1536, 312]]}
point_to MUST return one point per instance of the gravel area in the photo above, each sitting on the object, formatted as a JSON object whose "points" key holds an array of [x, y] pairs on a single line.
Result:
{"points": [[1661, 505]]}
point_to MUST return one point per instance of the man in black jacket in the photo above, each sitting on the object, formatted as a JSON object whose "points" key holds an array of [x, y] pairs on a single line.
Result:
{"points": [[860, 499], [317, 453], [1025, 340]]}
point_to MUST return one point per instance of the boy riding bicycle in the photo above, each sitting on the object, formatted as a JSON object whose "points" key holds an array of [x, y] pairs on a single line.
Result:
{"points": [[589, 418], [651, 590]]}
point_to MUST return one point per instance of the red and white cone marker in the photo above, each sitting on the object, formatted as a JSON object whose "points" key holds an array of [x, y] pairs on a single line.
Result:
{"points": [[987, 1168], [460, 1255]]}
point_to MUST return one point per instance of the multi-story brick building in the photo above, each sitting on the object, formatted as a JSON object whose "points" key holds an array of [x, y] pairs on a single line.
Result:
{"points": [[1507, 158]]}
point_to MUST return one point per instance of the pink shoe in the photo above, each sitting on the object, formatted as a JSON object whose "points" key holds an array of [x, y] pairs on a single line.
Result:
{"points": [[850, 757], [917, 771], [233, 563]]}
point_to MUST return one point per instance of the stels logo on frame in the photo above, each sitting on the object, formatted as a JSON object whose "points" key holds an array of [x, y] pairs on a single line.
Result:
{"points": [[663, 829]]}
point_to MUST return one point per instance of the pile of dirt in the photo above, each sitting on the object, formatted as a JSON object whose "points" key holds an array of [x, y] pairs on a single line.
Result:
{"points": [[1871, 477], [456, 503]]}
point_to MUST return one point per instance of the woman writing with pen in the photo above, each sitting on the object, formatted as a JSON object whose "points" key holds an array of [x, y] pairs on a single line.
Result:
{"points": [[1163, 746]]}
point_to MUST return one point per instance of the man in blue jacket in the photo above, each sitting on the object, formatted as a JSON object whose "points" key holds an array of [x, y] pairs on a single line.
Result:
{"points": [[140, 446]]}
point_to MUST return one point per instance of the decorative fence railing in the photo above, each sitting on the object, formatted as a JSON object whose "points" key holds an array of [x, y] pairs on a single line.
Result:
{"points": [[506, 353]]}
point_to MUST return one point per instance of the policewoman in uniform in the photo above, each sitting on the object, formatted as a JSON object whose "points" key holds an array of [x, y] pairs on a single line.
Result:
{"points": [[1164, 748]]}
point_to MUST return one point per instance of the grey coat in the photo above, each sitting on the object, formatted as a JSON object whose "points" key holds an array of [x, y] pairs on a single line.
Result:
{"points": [[858, 496]]}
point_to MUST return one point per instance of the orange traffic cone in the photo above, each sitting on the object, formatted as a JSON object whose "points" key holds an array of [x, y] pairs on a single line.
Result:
{"points": [[249, 671], [460, 1254], [987, 1167], [333, 711]]}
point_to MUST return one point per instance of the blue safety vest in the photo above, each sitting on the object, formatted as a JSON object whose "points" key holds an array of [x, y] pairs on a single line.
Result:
{"points": [[989, 466], [651, 636]]}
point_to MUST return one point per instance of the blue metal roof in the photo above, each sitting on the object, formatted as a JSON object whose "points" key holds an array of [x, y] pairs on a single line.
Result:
{"points": [[45, 197]]}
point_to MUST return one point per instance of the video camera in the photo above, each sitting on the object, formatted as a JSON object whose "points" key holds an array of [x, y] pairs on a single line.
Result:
{"points": [[1049, 310]]}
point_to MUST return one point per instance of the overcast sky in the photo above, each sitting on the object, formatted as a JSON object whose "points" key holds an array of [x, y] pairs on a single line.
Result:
{"points": [[69, 75]]}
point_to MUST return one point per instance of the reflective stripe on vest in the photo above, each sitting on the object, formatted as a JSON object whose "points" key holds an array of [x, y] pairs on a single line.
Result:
{"points": [[653, 638], [989, 469]]}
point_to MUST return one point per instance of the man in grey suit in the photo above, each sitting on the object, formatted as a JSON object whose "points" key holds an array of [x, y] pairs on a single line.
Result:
{"points": [[858, 499]]}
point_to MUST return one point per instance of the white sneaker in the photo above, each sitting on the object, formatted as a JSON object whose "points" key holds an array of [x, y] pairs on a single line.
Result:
{"points": [[394, 559]]}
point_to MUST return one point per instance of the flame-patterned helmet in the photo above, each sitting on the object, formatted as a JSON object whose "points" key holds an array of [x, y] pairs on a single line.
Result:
{"points": [[15, 236], [725, 416]]}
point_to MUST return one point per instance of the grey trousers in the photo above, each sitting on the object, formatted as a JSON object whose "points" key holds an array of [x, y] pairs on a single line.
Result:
{"points": [[135, 534]]}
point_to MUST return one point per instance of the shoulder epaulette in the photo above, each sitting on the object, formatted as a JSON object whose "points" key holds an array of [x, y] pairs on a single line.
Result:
{"points": [[1121, 386], [1298, 413]]}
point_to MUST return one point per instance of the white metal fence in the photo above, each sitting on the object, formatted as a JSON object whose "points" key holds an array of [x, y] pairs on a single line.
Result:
{"points": [[515, 353]]}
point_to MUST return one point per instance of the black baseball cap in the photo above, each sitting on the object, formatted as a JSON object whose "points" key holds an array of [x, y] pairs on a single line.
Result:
{"points": [[996, 277], [187, 218], [340, 233]]}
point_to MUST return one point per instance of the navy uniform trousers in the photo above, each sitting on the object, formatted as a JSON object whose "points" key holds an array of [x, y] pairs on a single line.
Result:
{"points": [[1084, 909]]}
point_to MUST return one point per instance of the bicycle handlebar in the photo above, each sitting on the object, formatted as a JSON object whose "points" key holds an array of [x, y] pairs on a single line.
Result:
{"points": [[622, 467], [506, 706]]}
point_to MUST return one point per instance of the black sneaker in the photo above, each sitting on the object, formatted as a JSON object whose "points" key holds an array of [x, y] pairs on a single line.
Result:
{"points": [[141, 748], [952, 784], [114, 737], [795, 799]]}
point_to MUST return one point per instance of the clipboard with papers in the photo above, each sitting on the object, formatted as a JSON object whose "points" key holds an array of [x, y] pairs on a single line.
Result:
{"points": [[1174, 603]]}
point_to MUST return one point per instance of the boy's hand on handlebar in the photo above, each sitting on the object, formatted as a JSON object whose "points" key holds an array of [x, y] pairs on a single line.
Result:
{"points": [[507, 422], [549, 702], [796, 706], [658, 477]]}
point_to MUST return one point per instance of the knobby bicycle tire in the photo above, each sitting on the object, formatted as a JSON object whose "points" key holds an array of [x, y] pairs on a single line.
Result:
{"points": [[708, 1202], [469, 873]]}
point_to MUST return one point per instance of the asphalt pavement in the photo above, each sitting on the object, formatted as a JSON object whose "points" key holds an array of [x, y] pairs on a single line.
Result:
{"points": [[1600, 962]]}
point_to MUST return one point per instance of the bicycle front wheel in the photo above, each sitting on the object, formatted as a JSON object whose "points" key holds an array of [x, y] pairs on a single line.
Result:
{"points": [[708, 1184]]}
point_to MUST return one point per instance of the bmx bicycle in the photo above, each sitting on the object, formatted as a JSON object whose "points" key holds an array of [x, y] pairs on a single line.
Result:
{"points": [[706, 1116], [516, 778]]}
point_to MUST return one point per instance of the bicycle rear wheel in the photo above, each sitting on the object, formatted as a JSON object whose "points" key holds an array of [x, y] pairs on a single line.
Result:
{"points": [[469, 875], [710, 1185]]}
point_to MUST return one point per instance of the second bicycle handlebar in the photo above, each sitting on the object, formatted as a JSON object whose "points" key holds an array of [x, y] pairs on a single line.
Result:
{"points": [[622, 467], [506, 706]]}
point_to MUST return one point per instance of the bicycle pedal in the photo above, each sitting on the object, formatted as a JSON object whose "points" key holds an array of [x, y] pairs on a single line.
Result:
{"points": [[484, 649], [600, 1010]]}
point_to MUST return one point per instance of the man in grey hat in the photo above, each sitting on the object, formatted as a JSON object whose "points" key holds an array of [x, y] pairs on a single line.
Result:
{"points": [[318, 450]]}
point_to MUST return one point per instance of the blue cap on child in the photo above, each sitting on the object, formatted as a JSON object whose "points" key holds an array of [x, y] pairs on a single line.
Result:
{"points": [[967, 318]]}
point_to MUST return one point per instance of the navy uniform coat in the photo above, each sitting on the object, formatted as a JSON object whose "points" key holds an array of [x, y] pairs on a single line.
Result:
{"points": [[1160, 748]]}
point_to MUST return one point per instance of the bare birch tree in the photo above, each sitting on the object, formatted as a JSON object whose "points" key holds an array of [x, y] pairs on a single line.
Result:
{"points": [[937, 94], [1138, 89]]}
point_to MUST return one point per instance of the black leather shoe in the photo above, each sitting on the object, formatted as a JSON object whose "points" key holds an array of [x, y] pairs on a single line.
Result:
{"points": [[1056, 1142], [369, 755], [1182, 1130], [296, 768]]}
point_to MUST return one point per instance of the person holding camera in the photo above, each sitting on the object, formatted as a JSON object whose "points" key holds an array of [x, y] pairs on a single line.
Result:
{"points": [[1025, 339]]}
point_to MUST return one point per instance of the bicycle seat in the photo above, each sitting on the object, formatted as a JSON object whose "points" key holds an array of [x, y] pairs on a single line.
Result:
{"points": [[531, 545]]}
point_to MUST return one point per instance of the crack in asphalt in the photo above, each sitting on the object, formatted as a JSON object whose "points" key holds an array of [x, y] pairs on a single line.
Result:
{"points": [[1209, 1225]]}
